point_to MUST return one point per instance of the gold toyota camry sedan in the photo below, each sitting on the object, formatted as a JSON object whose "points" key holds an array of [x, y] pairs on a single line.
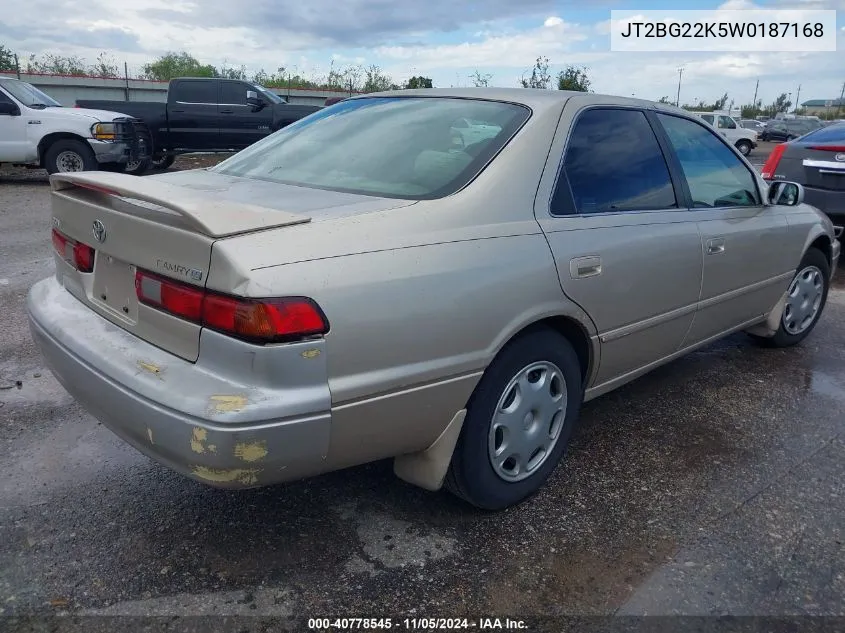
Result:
{"points": [[440, 277]]}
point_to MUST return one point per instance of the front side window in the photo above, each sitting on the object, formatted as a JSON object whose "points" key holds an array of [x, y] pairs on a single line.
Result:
{"points": [[233, 93], [613, 162], [726, 122], [401, 147], [715, 175]]}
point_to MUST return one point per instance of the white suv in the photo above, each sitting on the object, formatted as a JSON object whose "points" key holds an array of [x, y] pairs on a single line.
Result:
{"points": [[743, 139]]}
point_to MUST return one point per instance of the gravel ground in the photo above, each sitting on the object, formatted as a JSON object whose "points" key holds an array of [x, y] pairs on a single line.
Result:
{"points": [[714, 485]]}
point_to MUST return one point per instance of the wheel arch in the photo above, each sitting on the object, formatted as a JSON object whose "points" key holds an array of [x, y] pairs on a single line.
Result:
{"points": [[49, 139]]}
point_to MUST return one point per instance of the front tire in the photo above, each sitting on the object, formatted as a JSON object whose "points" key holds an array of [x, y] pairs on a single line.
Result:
{"points": [[518, 423], [744, 148], [806, 298], [69, 155]]}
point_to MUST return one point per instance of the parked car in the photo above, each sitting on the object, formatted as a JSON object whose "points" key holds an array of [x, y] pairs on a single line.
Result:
{"points": [[752, 124], [816, 161], [355, 288], [788, 129], [37, 131], [207, 115], [744, 140]]}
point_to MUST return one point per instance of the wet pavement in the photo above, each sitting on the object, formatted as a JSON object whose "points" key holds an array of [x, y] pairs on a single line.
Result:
{"points": [[714, 485]]}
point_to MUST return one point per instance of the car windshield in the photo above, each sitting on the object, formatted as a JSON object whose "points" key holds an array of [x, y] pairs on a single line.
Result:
{"points": [[400, 147], [28, 94], [272, 97], [831, 134]]}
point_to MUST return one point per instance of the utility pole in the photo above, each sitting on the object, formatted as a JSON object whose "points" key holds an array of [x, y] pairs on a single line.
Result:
{"points": [[754, 103], [678, 99], [126, 78], [17, 66], [839, 105], [797, 99]]}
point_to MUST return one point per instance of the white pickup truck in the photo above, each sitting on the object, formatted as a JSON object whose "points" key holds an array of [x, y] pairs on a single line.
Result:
{"points": [[36, 131]]}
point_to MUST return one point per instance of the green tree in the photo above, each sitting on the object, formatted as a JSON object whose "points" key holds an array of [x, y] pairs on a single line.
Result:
{"points": [[230, 72], [105, 66], [664, 100], [480, 80], [574, 78], [7, 60], [418, 82], [719, 104], [752, 111], [782, 103], [375, 80], [540, 77], [173, 65], [51, 64]]}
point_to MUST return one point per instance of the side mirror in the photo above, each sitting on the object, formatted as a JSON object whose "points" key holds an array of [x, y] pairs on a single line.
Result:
{"points": [[9, 109], [786, 193], [253, 100]]}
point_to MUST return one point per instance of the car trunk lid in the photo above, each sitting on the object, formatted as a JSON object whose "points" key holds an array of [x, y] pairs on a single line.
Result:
{"points": [[821, 164], [137, 223]]}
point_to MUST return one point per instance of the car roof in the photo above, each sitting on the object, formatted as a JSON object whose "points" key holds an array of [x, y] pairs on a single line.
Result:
{"points": [[533, 98]]}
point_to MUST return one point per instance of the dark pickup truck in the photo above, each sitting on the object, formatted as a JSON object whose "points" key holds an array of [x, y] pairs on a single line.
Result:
{"points": [[206, 115]]}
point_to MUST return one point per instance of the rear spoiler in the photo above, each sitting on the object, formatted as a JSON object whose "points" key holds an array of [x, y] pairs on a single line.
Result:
{"points": [[205, 214]]}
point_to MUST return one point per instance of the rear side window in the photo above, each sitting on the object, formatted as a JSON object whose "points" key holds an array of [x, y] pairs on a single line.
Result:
{"points": [[715, 175], [830, 134], [195, 91], [613, 163]]}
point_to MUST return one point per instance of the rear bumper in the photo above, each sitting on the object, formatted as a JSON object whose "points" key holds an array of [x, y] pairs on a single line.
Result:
{"points": [[221, 421], [830, 202]]}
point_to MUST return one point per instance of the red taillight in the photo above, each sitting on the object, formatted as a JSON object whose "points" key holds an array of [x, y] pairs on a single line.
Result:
{"points": [[180, 299], [772, 163], [829, 148], [258, 320], [80, 255]]}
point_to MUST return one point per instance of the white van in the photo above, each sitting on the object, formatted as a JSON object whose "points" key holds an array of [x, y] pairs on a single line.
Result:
{"points": [[743, 139]]}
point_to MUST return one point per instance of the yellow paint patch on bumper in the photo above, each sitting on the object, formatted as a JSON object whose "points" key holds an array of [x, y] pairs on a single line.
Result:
{"points": [[227, 404], [246, 476], [198, 437], [251, 451]]}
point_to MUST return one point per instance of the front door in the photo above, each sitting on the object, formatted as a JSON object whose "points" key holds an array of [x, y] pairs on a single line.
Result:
{"points": [[13, 132], [626, 248], [748, 259], [241, 125]]}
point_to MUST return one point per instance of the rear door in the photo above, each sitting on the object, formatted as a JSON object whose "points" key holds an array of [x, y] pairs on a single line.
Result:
{"points": [[192, 114], [626, 249], [241, 125], [748, 256]]}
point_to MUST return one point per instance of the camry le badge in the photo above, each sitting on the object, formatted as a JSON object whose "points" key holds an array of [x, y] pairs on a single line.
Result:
{"points": [[99, 230]]}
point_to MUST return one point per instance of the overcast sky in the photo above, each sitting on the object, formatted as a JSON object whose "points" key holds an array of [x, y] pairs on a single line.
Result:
{"points": [[443, 39]]}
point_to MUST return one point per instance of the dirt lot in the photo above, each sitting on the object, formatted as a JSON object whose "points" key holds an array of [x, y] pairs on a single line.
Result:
{"points": [[714, 485]]}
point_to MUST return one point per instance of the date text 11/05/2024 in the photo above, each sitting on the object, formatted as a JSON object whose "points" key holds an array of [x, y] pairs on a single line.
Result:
{"points": [[416, 624]]}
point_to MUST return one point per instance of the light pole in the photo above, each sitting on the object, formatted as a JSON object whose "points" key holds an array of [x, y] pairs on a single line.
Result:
{"points": [[678, 98]]}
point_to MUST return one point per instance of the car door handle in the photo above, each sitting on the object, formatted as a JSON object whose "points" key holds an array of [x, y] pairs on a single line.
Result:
{"points": [[226, 111], [179, 111], [716, 246], [581, 267]]}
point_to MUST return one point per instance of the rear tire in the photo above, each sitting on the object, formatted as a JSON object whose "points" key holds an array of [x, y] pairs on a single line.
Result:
{"points": [[807, 296], [68, 156], [744, 148], [137, 168], [544, 412]]}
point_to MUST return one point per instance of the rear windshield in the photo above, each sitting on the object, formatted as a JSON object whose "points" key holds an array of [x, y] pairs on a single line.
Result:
{"points": [[401, 147], [832, 133]]}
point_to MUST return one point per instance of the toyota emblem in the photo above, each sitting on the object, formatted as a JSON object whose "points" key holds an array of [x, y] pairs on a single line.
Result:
{"points": [[840, 157], [99, 230]]}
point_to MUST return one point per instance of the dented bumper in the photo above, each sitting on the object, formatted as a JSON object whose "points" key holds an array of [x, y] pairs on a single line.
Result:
{"points": [[241, 416]]}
